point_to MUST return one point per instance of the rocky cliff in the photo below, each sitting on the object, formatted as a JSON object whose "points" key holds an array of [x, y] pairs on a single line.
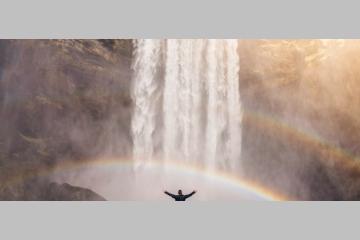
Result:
{"points": [[62, 100]]}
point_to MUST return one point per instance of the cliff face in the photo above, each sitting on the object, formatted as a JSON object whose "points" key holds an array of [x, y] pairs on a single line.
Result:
{"points": [[301, 124], [62, 100]]}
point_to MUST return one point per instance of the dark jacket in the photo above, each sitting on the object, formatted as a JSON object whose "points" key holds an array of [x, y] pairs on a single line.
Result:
{"points": [[179, 197]]}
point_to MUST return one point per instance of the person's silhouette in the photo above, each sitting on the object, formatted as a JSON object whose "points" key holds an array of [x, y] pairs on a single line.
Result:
{"points": [[180, 196]]}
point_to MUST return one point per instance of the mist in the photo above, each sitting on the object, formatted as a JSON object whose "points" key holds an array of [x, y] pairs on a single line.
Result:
{"points": [[62, 100], [69, 101]]}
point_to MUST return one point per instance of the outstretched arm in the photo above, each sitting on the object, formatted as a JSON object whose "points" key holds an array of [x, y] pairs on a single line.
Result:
{"points": [[171, 195], [189, 195]]}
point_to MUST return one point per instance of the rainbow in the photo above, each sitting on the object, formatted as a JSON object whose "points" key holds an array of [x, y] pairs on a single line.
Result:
{"points": [[216, 175], [257, 119], [276, 126], [211, 174]]}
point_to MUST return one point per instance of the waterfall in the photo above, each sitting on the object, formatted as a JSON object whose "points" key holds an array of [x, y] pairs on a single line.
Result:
{"points": [[187, 102]]}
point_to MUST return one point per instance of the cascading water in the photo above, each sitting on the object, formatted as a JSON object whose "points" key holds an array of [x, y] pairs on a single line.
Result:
{"points": [[187, 102]]}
